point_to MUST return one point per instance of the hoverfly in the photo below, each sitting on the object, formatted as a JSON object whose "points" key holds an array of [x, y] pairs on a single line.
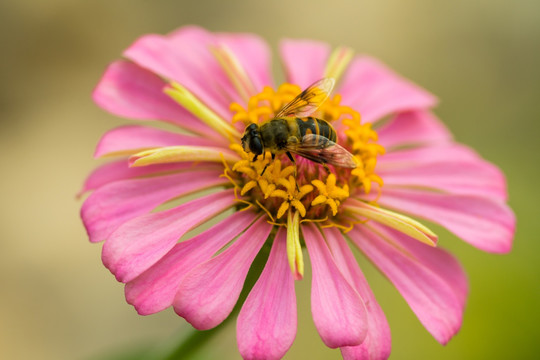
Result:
{"points": [[294, 131]]}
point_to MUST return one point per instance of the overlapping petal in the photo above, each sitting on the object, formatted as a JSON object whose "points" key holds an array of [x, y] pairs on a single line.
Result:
{"points": [[127, 140], [376, 91], [128, 90], [112, 205], [425, 155], [304, 60], [475, 178], [208, 293], [120, 170], [413, 128], [141, 242], [338, 310], [253, 54], [429, 291], [155, 289], [194, 69], [485, 223], [425, 175], [266, 325], [377, 344]]}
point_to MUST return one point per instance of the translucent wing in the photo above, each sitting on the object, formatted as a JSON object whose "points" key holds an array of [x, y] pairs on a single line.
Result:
{"points": [[308, 100], [323, 151]]}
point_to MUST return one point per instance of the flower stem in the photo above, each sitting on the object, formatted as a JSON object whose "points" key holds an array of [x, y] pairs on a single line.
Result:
{"points": [[194, 341]]}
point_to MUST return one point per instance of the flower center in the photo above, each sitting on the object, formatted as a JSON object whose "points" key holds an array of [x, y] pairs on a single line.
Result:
{"points": [[313, 190]]}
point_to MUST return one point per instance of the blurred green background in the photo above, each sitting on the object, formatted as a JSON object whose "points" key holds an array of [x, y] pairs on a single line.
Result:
{"points": [[481, 58]]}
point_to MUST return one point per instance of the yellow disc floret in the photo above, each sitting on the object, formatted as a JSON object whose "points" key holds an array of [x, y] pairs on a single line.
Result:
{"points": [[313, 191]]}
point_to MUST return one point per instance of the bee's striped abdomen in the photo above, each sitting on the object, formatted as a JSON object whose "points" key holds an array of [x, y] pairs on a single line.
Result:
{"points": [[311, 125]]}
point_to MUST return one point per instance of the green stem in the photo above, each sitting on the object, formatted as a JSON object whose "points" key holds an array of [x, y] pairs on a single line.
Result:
{"points": [[194, 341]]}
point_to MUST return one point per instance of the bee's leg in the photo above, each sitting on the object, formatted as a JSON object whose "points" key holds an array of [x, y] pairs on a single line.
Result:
{"points": [[273, 157], [255, 158], [326, 167], [289, 155]]}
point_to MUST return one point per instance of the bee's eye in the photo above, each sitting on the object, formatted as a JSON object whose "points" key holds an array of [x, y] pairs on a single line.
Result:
{"points": [[255, 145]]}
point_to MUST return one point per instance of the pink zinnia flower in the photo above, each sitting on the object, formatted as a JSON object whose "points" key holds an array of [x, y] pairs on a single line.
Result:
{"points": [[210, 86]]}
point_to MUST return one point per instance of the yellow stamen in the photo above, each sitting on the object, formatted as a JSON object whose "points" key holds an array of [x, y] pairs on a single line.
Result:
{"points": [[291, 196], [294, 249], [185, 98], [329, 193], [264, 105], [279, 189], [174, 154]]}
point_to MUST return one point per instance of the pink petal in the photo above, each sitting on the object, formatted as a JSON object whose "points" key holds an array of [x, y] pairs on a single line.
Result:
{"points": [[377, 344], [127, 90], [253, 54], [185, 57], [200, 42], [134, 138], [208, 293], [438, 260], [154, 290], [376, 91], [430, 291], [475, 178], [114, 204], [142, 241], [407, 158], [304, 60], [486, 223], [413, 128], [119, 170], [338, 310], [266, 325]]}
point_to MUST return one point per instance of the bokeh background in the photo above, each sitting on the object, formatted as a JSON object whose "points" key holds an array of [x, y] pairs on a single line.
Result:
{"points": [[481, 57]]}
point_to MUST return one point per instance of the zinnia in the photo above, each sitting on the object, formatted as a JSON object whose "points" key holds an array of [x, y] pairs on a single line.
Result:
{"points": [[210, 86]]}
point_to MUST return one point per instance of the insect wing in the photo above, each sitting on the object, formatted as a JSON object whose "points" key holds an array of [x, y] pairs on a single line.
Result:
{"points": [[309, 100], [324, 151]]}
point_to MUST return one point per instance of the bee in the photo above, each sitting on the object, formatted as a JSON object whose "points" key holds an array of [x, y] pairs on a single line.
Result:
{"points": [[294, 131]]}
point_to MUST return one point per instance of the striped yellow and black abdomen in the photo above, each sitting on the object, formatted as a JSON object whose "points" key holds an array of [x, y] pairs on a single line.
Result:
{"points": [[311, 125]]}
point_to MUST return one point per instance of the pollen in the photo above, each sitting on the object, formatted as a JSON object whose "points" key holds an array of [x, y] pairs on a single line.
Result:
{"points": [[311, 191]]}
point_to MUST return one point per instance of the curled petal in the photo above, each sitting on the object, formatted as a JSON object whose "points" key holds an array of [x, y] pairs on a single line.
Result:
{"points": [[394, 220], [266, 325], [338, 311], [141, 242], [430, 290], [208, 293], [154, 290], [174, 154], [487, 224]]}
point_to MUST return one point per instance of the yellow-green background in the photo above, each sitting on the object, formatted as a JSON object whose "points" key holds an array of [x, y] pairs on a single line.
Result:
{"points": [[482, 58]]}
